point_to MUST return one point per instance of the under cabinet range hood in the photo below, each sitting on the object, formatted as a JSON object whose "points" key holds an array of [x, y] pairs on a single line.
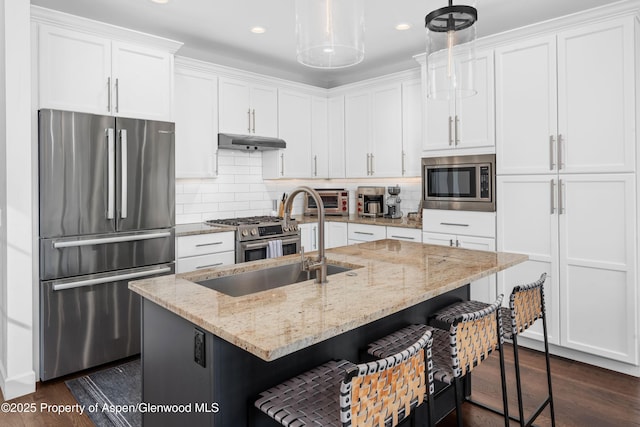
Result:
{"points": [[249, 142]]}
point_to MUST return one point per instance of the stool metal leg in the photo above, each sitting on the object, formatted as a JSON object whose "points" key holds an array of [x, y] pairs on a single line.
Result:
{"points": [[457, 389], [516, 363], [503, 379], [546, 351]]}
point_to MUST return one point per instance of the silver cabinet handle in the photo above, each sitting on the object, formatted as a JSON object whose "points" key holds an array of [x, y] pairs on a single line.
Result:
{"points": [[403, 237], [457, 133], [368, 170], [552, 163], [108, 94], [363, 232], [208, 265], [314, 234], [454, 224], [208, 244], [111, 174], [561, 209], [560, 152], [249, 120], [450, 130], [106, 240], [253, 113], [450, 242], [117, 97], [552, 199], [281, 164], [403, 158], [124, 173], [315, 165], [108, 279], [372, 163], [457, 243]]}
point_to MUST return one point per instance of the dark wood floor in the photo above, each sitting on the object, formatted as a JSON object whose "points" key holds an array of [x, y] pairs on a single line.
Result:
{"points": [[584, 396]]}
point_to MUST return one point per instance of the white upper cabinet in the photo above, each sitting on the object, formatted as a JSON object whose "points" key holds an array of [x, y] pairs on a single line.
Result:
{"points": [[466, 122], [78, 71], [412, 127], [196, 98], [294, 116], [373, 132], [573, 115], [336, 167], [319, 137], [247, 109]]}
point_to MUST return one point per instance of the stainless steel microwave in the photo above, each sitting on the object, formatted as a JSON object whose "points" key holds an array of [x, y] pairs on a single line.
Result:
{"points": [[335, 201], [459, 183]]}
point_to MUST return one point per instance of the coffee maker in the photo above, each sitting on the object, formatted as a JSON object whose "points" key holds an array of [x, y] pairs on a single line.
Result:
{"points": [[393, 203], [370, 201]]}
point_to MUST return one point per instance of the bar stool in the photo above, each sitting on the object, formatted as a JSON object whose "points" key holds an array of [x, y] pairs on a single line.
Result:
{"points": [[339, 393], [526, 306], [470, 339]]}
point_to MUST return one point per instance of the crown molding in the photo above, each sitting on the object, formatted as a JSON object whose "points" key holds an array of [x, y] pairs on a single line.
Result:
{"points": [[43, 15]]}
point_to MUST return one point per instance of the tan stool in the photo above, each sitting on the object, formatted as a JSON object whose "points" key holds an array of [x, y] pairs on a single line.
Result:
{"points": [[471, 338], [340, 393], [526, 305]]}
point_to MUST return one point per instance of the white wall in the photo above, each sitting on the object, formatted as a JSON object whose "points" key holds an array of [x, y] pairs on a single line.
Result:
{"points": [[239, 190], [17, 375]]}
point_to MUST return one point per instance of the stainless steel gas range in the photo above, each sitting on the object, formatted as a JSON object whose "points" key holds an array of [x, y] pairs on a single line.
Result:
{"points": [[253, 235]]}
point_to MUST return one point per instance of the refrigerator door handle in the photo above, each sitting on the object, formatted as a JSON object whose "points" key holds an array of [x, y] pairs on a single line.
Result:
{"points": [[119, 239], [116, 278], [123, 160], [111, 174]]}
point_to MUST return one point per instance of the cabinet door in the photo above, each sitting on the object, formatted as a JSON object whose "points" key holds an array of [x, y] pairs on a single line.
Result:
{"points": [[596, 93], [319, 137], [474, 122], [527, 222], [526, 107], [357, 133], [143, 86], [412, 113], [233, 107], [335, 234], [309, 236], [386, 131], [483, 289], [336, 138], [74, 71], [294, 112], [196, 98], [264, 110], [439, 119], [598, 285]]}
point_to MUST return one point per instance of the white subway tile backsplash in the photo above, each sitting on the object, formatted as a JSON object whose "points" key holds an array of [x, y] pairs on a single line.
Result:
{"points": [[199, 208], [218, 197], [188, 219]]}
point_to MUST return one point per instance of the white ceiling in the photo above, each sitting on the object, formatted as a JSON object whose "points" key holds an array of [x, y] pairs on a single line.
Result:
{"points": [[218, 31]]}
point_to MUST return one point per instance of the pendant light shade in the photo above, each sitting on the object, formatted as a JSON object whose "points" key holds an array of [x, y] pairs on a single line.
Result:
{"points": [[451, 53], [330, 33]]}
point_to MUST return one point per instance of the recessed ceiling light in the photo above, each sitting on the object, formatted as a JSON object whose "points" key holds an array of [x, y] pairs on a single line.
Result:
{"points": [[160, 1], [403, 26], [258, 30]]}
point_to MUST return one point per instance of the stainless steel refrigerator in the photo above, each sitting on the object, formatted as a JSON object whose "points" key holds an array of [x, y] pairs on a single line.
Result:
{"points": [[107, 216]]}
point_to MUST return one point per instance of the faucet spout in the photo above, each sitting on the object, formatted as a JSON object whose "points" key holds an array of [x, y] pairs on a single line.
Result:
{"points": [[320, 264]]}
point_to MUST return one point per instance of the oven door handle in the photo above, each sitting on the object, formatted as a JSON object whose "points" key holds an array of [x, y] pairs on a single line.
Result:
{"points": [[264, 244]]}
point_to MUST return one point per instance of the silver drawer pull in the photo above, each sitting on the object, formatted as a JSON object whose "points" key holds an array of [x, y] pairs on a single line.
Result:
{"points": [[362, 232], [404, 237], [209, 265], [454, 224], [208, 244]]}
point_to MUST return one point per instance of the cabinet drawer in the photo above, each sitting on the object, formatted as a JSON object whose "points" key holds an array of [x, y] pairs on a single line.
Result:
{"points": [[366, 233], [205, 261], [401, 233], [202, 244], [481, 224]]}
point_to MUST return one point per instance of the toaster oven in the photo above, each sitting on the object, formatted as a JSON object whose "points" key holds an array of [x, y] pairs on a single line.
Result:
{"points": [[335, 201]]}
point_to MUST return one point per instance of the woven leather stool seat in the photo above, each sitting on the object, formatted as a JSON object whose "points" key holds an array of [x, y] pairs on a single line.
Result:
{"points": [[340, 393]]}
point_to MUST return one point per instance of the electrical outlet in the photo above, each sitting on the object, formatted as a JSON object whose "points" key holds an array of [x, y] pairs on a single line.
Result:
{"points": [[198, 348]]}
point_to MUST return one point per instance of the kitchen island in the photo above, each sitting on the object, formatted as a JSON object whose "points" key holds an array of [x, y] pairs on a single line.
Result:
{"points": [[216, 352]]}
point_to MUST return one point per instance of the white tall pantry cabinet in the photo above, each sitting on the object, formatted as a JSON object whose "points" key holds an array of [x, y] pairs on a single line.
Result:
{"points": [[567, 184]]}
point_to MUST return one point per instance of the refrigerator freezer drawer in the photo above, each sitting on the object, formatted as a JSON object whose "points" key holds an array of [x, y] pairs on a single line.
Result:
{"points": [[75, 256], [90, 320]]}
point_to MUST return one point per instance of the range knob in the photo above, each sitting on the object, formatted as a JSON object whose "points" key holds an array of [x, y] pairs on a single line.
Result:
{"points": [[245, 233], [293, 228], [254, 231]]}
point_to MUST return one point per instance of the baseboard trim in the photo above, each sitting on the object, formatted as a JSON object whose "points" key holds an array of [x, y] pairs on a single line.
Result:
{"points": [[18, 385]]}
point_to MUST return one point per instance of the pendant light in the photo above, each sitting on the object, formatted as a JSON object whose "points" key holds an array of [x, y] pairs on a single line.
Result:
{"points": [[451, 53], [330, 33]]}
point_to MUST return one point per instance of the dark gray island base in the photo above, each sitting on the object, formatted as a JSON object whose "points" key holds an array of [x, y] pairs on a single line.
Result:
{"points": [[221, 393]]}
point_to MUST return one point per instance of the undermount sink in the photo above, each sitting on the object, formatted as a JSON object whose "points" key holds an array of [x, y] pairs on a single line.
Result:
{"points": [[250, 282]]}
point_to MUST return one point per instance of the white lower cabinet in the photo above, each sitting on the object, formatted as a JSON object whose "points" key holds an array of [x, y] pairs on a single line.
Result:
{"points": [[580, 230], [335, 234], [309, 236], [358, 233], [202, 251]]}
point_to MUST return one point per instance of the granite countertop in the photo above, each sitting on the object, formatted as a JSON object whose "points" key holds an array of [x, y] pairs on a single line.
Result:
{"points": [[200, 228], [391, 275]]}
